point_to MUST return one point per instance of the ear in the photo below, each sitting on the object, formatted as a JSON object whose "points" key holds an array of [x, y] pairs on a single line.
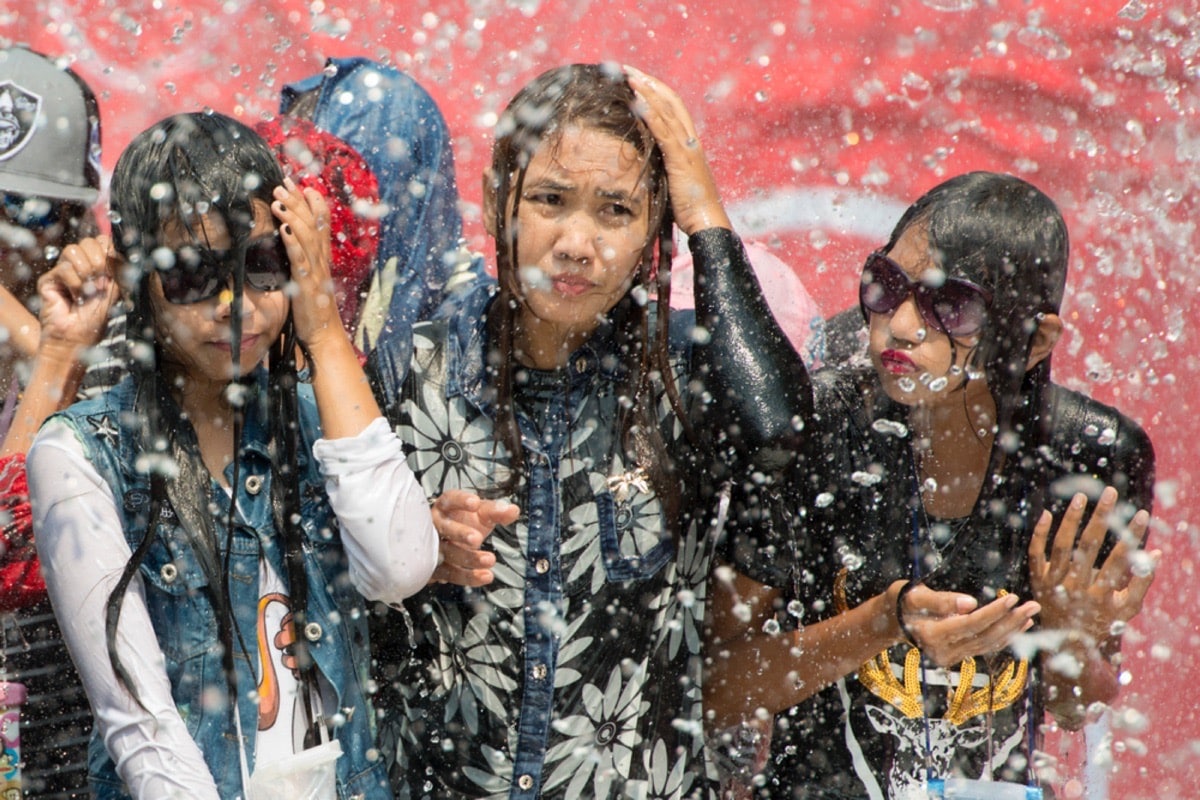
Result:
{"points": [[1048, 331], [489, 202]]}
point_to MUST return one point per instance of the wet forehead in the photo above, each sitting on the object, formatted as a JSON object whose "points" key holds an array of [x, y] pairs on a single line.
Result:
{"points": [[578, 155]]}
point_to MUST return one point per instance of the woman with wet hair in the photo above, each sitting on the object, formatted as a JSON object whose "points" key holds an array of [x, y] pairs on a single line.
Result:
{"points": [[931, 485], [206, 527], [595, 428]]}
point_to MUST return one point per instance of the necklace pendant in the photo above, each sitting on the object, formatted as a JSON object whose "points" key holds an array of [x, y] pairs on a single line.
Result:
{"points": [[620, 485]]}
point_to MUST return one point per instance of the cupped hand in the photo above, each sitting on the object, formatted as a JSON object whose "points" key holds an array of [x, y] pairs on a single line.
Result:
{"points": [[949, 627], [694, 196], [77, 294], [304, 227], [1076, 596], [463, 521]]}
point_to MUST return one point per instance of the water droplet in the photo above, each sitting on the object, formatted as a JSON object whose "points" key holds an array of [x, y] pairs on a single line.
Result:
{"points": [[890, 427], [796, 609], [950, 5], [939, 384], [863, 478], [824, 500], [772, 627], [906, 384]]}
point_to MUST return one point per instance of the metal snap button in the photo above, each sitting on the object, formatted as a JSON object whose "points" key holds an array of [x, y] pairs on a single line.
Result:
{"points": [[542, 566], [254, 484], [525, 782], [540, 671], [169, 572], [313, 632]]}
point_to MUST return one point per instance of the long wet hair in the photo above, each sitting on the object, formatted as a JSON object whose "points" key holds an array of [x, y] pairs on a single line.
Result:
{"points": [[1006, 235], [172, 174], [594, 97]]}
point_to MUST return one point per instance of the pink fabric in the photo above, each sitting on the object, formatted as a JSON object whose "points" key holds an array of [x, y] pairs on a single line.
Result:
{"points": [[793, 307]]}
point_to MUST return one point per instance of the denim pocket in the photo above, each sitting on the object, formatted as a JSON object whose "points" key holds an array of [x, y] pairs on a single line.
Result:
{"points": [[633, 540]]}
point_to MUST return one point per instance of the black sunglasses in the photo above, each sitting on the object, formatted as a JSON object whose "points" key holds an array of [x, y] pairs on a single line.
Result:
{"points": [[195, 274], [957, 308], [32, 213]]}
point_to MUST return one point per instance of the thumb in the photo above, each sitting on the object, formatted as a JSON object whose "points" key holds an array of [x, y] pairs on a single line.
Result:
{"points": [[929, 602]]}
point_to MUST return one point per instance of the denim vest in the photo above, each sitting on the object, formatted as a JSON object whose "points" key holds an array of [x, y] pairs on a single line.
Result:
{"points": [[183, 616]]}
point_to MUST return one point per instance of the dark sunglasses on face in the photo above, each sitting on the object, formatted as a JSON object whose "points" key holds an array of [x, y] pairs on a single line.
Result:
{"points": [[32, 213], [194, 274], [957, 308]]}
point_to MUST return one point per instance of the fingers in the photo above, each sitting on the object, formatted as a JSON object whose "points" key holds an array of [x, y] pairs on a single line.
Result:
{"points": [[464, 566], [921, 601], [988, 629], [1087, 549], [83, 269], [662, 108]]}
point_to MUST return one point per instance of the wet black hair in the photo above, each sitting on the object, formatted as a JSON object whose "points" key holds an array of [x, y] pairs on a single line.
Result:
{"points": [[595, 97], [173, 174], [1006, 235]]}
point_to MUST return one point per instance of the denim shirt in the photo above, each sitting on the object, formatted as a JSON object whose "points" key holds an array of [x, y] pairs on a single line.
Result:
{"points": [[182, 614], [577, 671]]}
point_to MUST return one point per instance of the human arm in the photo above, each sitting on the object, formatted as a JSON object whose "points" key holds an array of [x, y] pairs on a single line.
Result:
{"points": [[792, 666], [83, 552], [1085, 604], [386, 527], [76, 297], [760, 389], [21, 326], [344, 398]]}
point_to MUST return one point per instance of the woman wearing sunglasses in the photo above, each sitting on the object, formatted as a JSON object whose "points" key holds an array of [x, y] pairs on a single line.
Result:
{"points": [[929, 495], [203, 526]]}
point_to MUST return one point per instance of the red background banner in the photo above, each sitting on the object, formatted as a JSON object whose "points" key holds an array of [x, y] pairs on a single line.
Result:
{"points": [[823, 121]]}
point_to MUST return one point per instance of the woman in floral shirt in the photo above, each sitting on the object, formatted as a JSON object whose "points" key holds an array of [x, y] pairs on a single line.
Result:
{"points": [[620, 430]]}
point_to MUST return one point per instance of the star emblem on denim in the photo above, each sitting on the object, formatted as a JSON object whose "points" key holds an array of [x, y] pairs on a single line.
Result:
{"points": [[103, 428]]}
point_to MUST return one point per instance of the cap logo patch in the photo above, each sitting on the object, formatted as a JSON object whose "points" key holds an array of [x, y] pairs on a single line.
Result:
{"points": [[18, 114]]}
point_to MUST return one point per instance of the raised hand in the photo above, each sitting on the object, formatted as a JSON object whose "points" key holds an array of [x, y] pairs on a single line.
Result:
{"points": [[463, 521], [1076, 596], [694, 196], [304, 227], [76, 297]]}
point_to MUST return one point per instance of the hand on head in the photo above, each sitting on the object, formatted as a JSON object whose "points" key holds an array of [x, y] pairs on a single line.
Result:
{"points": [[463, 521], [77, 295], [1076, 596], [694, 196], [304, 227]]}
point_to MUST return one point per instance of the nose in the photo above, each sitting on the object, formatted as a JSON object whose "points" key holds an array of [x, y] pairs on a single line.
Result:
{"points": [[906, 325], [577, 239], [224, 308]]}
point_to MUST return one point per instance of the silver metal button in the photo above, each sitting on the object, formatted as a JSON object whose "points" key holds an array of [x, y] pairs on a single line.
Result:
{"points": [[542, 566], [254, 484], [540, 671], [313, 632], [581, 364], [525, 782], [168, 572]]}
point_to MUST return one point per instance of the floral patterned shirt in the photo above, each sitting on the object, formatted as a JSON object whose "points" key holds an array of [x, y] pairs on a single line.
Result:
{"points": [[577, 671]]}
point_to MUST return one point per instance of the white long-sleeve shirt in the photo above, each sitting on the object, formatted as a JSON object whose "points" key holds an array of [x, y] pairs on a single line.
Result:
{"points": [[386, 531]]}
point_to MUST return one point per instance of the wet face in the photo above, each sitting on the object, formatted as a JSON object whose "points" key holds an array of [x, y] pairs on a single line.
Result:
{"points": [[583, 222], [917, 363], [196, 337]]}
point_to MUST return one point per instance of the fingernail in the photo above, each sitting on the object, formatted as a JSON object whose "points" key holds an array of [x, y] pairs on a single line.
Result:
{"points": [[1011, 600], [289, 183], [1079, 501], [286, 229], [281, 192]]}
